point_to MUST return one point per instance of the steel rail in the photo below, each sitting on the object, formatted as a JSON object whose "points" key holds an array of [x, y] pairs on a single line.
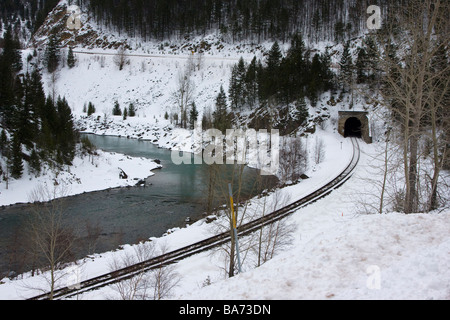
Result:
{"points": [[207, 244]]}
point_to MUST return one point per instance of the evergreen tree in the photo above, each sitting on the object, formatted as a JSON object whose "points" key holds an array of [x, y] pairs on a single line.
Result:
{"points": [[270, 77], [49, 126], [10, 65], [371, 51], [65, 135], [301, 112], [346, 65], [315, 75], [3, 143], [327, 74], [70, 58], [37, 93], [296, 63], [251, 84], [11, 51], [131, 110], [15, 162], [361, 65], [237, 90], [52, 54], [193, 115], [26, 117], [90, 108], [274, 58], [221, 118], [116, 109], [35, 163], [125, 113]]}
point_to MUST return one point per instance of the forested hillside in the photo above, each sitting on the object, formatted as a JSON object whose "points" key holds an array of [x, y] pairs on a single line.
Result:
{"points": [[255, 20], [24, 16]]}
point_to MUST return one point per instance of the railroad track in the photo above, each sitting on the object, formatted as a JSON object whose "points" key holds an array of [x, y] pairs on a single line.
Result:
{"points": [[207, 244]]}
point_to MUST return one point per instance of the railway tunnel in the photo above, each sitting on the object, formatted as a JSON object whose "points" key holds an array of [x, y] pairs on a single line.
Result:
{"points": [[354, 124]]}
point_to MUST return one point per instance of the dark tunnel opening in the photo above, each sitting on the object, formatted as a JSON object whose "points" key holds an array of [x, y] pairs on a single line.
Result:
{"points": [[352, 128]]}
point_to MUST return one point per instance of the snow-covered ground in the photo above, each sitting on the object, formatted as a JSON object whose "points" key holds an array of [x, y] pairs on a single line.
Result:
{"points": [[88, 173], [336, 253]]}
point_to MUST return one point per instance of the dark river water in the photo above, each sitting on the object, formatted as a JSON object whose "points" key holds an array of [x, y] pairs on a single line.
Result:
{"points": [[103, 220]]}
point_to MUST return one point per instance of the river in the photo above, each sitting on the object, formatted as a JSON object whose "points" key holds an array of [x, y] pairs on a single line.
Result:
{"points": [[103, 220]]}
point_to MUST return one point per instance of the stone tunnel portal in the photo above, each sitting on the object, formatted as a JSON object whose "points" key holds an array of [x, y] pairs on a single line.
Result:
{"points": [[352, 128], [354, 124]]}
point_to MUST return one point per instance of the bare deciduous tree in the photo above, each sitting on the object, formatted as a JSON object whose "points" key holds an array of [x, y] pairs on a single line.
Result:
{"points": [[293, 160], [52, 240], [120, 59], [415, 91], [276, 236], [155, 284], [184, 93]]}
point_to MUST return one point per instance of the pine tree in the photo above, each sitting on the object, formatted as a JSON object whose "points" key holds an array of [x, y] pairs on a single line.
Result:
{"points": [[193, 115], [251, 84], [131, 110], [70, 58], [296, 63], [35, 163], [52, 54], [15, 161], [3, 143], [11, 51], [361, 65], [270, 77], [66, 135], [274, 58], [10, 65], [301, 112], [346, 65], [327, 74], [237, 91], [90, 108], [116, 109], [221, 118], [315, 75], [125, 113]]}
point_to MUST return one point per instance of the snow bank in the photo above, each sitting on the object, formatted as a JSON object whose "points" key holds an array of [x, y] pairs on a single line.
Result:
{"points": [[85, 175]]}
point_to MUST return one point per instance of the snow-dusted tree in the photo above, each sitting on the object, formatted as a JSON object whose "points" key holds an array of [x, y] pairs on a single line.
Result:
{"points": [[52, 54], [51, 239], [415, 91], [70, 58], [184, 93], [120, 59]]}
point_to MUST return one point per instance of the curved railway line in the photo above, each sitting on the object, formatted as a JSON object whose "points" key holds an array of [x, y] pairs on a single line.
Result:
{"points": [[209, 243]]}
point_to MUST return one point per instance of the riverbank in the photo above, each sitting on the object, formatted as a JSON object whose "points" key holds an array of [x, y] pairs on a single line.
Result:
{"points": [[88, 173]]}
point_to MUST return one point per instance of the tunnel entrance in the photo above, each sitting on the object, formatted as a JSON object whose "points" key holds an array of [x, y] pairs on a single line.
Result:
{"points": [[354, 124], [353, 128]]}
